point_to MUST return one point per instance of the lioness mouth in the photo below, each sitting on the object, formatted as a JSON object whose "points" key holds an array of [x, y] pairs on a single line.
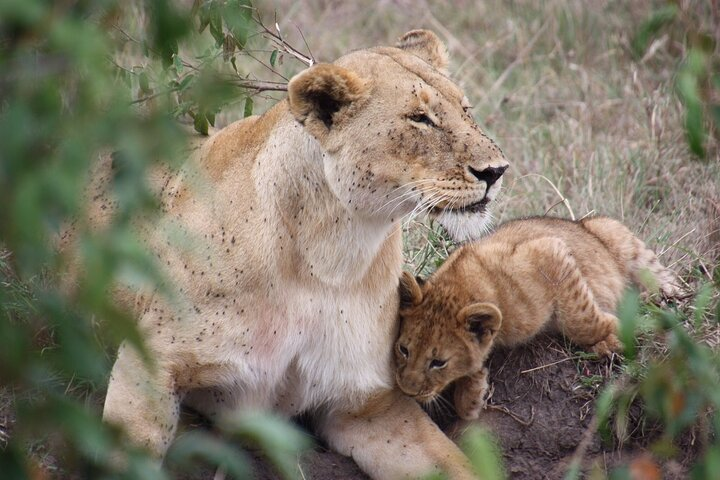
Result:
{"points": [[476, 207]]}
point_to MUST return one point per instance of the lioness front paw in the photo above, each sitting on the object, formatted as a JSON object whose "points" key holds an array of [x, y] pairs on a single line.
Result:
{"points": [[608, 346], [470, 395]]}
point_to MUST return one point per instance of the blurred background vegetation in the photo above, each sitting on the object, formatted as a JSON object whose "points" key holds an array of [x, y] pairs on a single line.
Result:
{"points": [[608, 107]]}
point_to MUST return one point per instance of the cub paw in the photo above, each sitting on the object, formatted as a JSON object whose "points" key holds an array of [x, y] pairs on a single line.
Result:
{"points": [[470, 395], [608, 346]]}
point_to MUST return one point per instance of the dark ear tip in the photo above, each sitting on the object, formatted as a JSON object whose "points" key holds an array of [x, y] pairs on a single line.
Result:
{"points": [[409, 289]]}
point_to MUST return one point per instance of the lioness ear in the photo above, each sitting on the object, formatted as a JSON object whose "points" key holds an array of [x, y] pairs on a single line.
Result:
{"points": [[410, 292], [426, 45], [318, 94], [482, 319]]}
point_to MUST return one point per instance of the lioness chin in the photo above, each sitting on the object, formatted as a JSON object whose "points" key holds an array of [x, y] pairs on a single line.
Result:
{"points": [[289, 251]]}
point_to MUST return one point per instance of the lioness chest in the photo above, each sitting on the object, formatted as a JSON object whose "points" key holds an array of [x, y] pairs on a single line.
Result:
{"points": [[311, 348]]}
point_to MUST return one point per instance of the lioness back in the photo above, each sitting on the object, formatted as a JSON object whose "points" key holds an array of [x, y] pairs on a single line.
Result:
{"points": [[529, 275]]}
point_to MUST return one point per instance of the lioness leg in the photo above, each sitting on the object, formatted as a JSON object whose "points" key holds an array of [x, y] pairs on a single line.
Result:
{"points": [[577, 314], [142, 401], [392, 438], [470, 394]]}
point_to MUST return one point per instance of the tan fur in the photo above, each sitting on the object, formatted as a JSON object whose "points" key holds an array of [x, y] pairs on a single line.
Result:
{"points": [[426, 45], [281, 236], [529, 275]]}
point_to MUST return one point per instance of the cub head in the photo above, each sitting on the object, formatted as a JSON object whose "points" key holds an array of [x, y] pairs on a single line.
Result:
{"points": [[398, 136], [441, 338]]}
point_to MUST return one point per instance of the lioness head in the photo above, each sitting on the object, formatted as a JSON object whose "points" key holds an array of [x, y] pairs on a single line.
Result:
{"points": [[398, 135], [441, 339]]}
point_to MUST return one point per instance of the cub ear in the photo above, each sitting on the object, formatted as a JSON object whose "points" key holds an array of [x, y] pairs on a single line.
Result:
{"points": [[320, 92], [482, 319], [426, 45], [410, 291]]}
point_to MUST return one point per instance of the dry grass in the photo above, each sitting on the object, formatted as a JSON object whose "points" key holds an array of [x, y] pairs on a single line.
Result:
{"points": [[556, 86]]}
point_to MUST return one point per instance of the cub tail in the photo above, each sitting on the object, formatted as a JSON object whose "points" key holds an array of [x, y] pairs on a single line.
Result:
{"points": [[643, 267]]}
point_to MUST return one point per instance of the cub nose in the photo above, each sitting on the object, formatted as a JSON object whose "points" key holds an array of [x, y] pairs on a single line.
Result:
{"points": [[489, 175], [408, 386]]}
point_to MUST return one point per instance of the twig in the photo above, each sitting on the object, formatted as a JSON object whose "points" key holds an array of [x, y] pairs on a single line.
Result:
{"points": [[665, 250], [305, 41], [150, 97], [260, 86], [550, 364], [266, 66], [514, 416], [282, 45]]}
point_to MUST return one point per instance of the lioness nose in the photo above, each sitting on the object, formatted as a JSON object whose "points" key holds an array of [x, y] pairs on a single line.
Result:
{"points": [[489, 175]]}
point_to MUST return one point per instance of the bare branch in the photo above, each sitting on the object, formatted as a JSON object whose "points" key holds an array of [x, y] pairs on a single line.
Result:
{"points": [[277, 39]]}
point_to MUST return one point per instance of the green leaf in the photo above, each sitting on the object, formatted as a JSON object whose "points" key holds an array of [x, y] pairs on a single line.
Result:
{"points": [[628, 313], [273, 58], [204, 14], [238, 19], [216, 26], [248, 107], [144, 83], [185, 82], [649, 28], [483, 452], [279, 441], [178, 64], [694, 129], [201, 123], [603, 407], [198, 445], [702, 303]]}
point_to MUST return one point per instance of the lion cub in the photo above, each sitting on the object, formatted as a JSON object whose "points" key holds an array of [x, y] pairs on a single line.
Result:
{"points": [[527, 276]]}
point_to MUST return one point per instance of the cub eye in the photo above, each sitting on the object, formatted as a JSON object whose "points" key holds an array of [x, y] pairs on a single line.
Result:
{"points": [[436, 364], [403, 351], [421, 118]]}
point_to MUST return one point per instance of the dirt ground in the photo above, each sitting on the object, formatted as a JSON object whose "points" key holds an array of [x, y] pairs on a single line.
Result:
{"points": [[540, 409]]}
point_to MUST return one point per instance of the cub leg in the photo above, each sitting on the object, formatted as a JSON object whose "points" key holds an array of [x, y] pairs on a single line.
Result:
{"points": [[391, 438], [470, 394], [142, 401], [577, 315]]}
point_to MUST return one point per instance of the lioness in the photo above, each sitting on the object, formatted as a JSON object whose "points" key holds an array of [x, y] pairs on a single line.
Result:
{"points": [[290, 252], [528, 275]]}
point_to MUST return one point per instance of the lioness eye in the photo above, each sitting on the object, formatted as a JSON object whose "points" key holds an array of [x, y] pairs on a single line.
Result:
{"points": [[435, 363], [403, 351], [421, 118]]}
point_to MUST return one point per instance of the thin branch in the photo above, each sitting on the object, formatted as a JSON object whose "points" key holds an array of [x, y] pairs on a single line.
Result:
{"points": [[282, 45], [151, 96], [305, 42], [261, 86], [266, 66]]}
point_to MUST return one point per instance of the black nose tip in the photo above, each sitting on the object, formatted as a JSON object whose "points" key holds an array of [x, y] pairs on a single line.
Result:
{"points": [[489, 175]]}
